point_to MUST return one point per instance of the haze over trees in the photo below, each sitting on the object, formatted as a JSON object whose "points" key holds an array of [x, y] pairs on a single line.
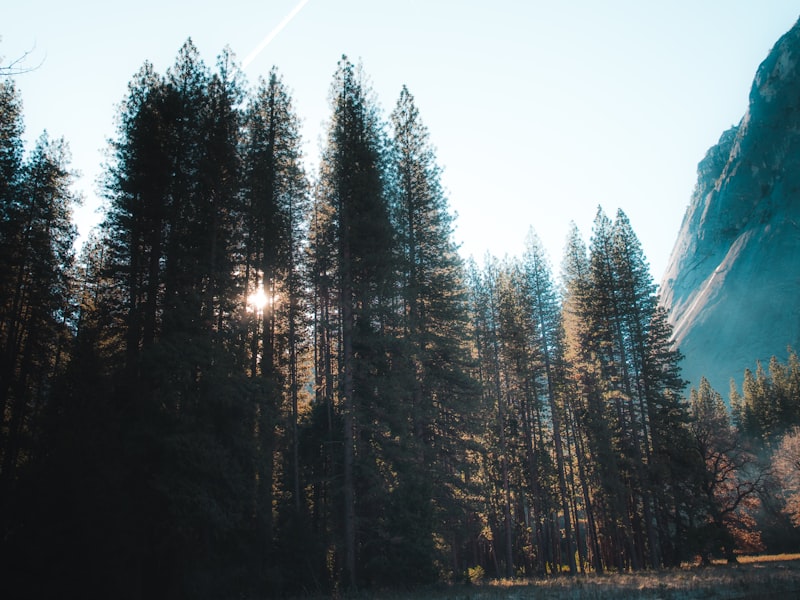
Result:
{"points": [[255, 381]]}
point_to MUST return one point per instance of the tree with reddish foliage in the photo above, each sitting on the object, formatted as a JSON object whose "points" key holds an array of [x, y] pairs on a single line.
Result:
{"points": [[731, 480]]}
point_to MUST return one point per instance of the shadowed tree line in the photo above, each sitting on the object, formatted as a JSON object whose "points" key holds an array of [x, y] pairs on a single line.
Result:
{"points": [[254, 382]]}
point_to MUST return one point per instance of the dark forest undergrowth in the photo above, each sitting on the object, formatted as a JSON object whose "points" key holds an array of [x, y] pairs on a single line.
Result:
{"points": [[775, 577]]}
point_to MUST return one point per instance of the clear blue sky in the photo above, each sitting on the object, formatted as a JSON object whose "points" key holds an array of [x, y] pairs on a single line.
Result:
{"points": [[539, 111]]}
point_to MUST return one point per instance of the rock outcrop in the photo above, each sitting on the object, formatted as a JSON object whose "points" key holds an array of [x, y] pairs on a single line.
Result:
{"points": [[732, 284]]}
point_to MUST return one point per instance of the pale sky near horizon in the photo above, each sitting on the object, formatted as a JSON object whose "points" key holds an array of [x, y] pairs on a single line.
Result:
{"points": [[539, 111]]}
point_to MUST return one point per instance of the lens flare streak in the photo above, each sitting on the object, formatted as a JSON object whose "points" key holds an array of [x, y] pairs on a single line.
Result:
{"points": [[271, 36]]}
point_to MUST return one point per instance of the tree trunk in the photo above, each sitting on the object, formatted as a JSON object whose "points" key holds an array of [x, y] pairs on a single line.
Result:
{"points": [[348, 402]]}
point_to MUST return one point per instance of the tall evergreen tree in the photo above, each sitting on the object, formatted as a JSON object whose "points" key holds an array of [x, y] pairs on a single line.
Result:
{"points": [[769, 404], [433, 326], [583, 391], [11, 215], [637, 299], [11, 144], [601, 370], [36, 250], [523, 371], [36, 332], [548, 335], [353, 190], [275, 204], [629, 391], [495, 455], [137, 223], [173, 227], [671, 464]]}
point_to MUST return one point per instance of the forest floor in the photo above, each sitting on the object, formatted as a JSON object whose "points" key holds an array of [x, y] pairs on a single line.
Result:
{"points": [[754, 578]]}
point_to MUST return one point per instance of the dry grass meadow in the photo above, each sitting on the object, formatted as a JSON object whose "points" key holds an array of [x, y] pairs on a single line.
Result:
{"points": [[755, 578]]}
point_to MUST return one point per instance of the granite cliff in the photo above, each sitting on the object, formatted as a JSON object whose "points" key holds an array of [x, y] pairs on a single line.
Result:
{"points": [[732, 284]]}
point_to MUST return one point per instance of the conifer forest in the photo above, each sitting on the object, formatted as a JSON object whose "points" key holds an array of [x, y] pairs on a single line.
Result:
{"points": [[253, 381]]}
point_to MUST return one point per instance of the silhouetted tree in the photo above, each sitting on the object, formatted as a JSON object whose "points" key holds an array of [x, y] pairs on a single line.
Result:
{"points": [[36, 256], [355, 201], [275, 196]]}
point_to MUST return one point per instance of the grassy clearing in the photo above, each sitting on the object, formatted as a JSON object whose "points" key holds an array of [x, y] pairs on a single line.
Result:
{"points": [[755, 578]]}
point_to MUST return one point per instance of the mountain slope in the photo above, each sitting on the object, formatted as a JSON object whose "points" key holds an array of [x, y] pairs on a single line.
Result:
{"points": [[732, 284]]}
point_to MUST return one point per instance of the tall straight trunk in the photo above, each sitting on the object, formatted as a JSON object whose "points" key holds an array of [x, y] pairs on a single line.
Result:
{"points": [[153, 285], [559, 447], [348, 401], [266, 446], [591, 523], [293, 393], [538, 438], [324, 387], [659, 535], [414, 327], [562, 481], [293, 343], [533, 468], [14, 341], [640, 449], [580, 544], [134, 321], [509, 546], [18, 408]]}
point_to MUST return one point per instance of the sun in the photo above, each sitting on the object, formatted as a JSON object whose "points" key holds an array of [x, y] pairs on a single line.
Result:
{"points": [[258, 299]]}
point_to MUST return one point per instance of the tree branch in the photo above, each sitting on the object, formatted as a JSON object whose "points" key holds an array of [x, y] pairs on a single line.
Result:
{"points": [[17, 66]]}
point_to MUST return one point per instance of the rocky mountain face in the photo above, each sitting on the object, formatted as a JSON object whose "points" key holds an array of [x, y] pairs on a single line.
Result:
{"points": [[732, 285]]}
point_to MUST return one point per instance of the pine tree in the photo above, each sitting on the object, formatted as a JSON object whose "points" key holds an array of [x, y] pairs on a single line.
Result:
{"points": [[137, 184], [275, 202], [322, 436], [589, 435], [496, 471], [670, 461], [11, 215], [638, 301], [172, 232], [37, 255], [609, 430], [36, 337], [353, 192], [768, 405], [628, 394], [11, 144], [432, 327], [524, 371], [548, 335]]}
